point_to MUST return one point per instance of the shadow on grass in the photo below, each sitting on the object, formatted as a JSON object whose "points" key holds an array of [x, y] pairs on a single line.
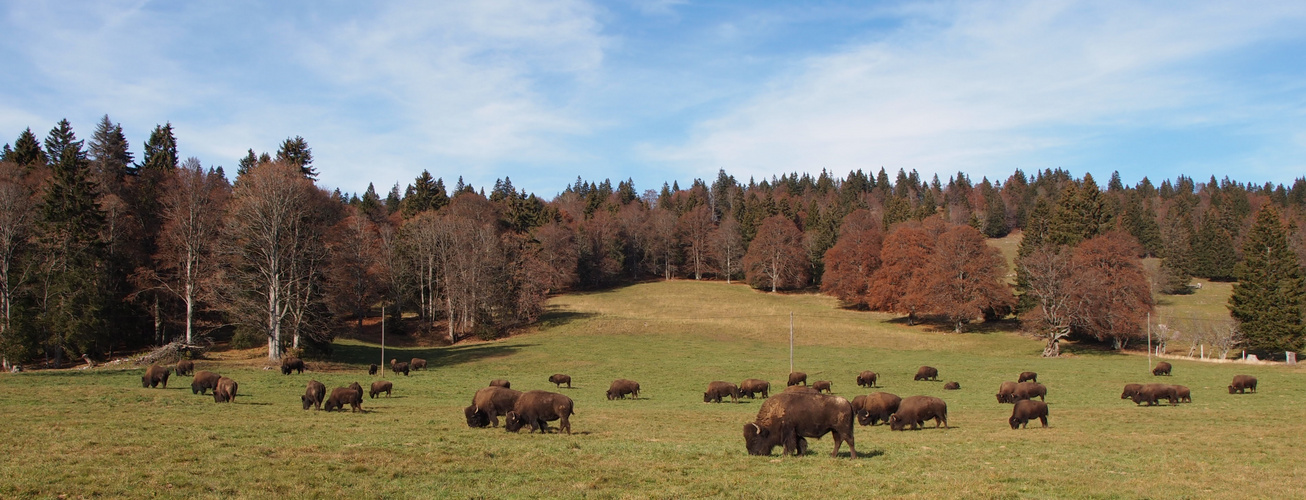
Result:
{"points": [[365, 354], [1084, 349], [555, 317]]}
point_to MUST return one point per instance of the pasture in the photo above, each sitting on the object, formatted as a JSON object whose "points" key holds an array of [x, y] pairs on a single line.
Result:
{"points": [[98, 433]]}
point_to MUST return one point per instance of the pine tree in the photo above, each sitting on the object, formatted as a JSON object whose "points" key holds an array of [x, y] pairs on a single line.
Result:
{"points": [[110, 158], [1270, 295], [27, 151], [1213, 254], [1141, 224], [160, 153], [296, 152], [246, 163]]}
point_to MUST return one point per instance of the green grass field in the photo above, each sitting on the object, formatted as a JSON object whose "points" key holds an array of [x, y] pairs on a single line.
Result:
{"points": [[98, 433]]}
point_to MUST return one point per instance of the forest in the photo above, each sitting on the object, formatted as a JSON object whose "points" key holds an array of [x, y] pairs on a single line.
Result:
{"points": [[103, 253]]}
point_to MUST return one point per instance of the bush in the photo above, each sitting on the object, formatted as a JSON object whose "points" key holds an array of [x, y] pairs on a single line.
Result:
{"points": [[246, 338]]}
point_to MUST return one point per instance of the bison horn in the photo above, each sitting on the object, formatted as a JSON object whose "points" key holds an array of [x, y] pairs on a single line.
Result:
{"points": [[759, 429]]}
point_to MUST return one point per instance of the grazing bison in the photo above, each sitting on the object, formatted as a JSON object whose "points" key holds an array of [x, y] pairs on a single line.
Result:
{"points": [[488, 404], [399, 367], [621, 387], [788, 418], [203, 381], [558, 379], [1130, 391], [866, 379], [292, 365], [1030, 390], [1027, 410], [1243, 383], [225, 392], [753, 386], [417, 364], [185, 367], [951, 386], [718, 389], [499, 382], [801, 389], [822, 385], [379, 387], [915, 410], [1027, 377], [1007, 392], [155, 375], [371, 370], [875, 407], [796, 378], [1152, 392], [537, 408], [927, 373], [1182, 393], [342, 396], [1162, 368], [314, 394]]}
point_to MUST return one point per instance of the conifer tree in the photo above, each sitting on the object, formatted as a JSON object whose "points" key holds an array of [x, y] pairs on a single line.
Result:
{"points": [[1213, 254], [296, 152], [109, 155], [1269, 297], [160, 153], [27, 151], [246, 163]]}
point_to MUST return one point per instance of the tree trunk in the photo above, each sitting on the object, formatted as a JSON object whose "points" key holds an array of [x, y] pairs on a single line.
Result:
{"points": [[1053, 348]]}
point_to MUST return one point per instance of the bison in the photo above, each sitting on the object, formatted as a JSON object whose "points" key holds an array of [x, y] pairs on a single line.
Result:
{"points": [[915, 410], [1152, 392], [1162, 368], [796, 378], [499, 382], [155, 375], [1130, 390], [342, 396], [801, 389], [314, 394], [621, 387], [558, 379], [203, 381], [488, 404], [417, 364], [1030, 390], [185, 367], [292, 365], [753, 386], [718, 389], [379, 387], [927, 373], [875, 407], [822, 385], [788, 418], [951, 386], [1027, 377], [225, 392], [1007, 392], [1242, 384], [399, 367], [1182, 393], [371, 370], [866, 379], [537, 408], [1027, 410]]}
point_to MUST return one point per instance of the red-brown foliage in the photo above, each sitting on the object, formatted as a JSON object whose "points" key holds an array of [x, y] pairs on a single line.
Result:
{"points": [[776, 258], [964, 277], [906, 251], [851, 262]]}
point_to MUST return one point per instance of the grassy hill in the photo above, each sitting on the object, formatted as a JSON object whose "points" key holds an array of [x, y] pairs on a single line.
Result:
{"points": [[96, 432]]}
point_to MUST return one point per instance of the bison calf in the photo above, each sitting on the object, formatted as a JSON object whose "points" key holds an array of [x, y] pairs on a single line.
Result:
{"points": [[1242, 384], [185, 367], [537, 408], [915, 410], [753, 386], [951, 386], [292, 365], [1162, 368], [1027, 377], [225, 392], [1027, 410], [875, 407], [866, 379], [822, 386], [621, 387], [155, 375], [927, 373], [488, 404], [558, 379], [314, 394], [379, 387], [788, 418], [796, 378], [718, 389]]}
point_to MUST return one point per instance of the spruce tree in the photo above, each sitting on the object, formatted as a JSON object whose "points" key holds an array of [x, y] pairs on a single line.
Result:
{"points": [[109, 155], [1213, 253], [160, 153], [246, 163], [1270, 295], [27, 151], [296, 152]]}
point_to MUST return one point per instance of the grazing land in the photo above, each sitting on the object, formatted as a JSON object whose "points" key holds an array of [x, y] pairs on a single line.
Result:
{"points": [[98, 433]]}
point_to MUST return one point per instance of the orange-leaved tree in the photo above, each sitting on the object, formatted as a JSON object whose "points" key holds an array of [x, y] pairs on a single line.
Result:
{"points": [[776, 258], [853, 259], [964, 277], [906, 250]]}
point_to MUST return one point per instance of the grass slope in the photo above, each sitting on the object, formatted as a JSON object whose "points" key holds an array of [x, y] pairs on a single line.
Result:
{"points": [[97, 433]]}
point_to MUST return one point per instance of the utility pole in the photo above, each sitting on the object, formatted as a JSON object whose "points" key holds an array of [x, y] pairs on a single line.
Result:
{"points": [[1149, 341], [382, 333], [791, 341]]}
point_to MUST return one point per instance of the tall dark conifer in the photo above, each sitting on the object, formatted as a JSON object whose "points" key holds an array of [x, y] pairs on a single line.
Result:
{"points": [[296, 152], [1213, 254], [27, 151], [109, 155], [1269, 297]]}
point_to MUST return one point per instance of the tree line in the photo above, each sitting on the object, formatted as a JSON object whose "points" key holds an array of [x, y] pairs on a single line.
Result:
{"points": [[102, 252]]}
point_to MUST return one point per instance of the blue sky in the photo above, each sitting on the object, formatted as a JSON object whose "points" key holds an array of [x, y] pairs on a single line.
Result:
{"points": [[545, 90]]}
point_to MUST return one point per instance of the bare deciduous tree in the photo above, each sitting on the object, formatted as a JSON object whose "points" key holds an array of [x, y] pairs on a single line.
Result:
{"points": [[776, 258], [695, 230]]}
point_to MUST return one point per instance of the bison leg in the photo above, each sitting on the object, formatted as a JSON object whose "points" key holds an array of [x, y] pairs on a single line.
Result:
{"points": [[564, 424], [1044, 419]]}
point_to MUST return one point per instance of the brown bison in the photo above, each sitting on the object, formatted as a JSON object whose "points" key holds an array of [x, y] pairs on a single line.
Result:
{"points": [[718, 389], [499, 382], [1030, 390], [1027, 410], [915, 410], [927, 373], [379, 387], [801, 389], [753, 386], [1242, 383], [155, 375], [1007, 392], [225, 392], [866, 379], [399, 367], [789, 418], [558, 379], [1130, 391], [621, 387], [1152, 392], [1027, 377], [951, 386], [314, 394], [1182, 393], [342, 396], [822, 386], [1162, 368], [488, 404], [292, 365], [417, 364], [875, 407], [796, 378], [203, 381], [537, 408], [371, 370], [185, 367]]}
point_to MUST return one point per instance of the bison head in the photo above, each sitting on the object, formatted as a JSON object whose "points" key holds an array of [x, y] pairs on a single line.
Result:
{"points": [[758, 439], [475, 417], [308, 402], [1232, 390], [707, 398], [1015, 422], [863, 417], [896, 423], [512, 422]]}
